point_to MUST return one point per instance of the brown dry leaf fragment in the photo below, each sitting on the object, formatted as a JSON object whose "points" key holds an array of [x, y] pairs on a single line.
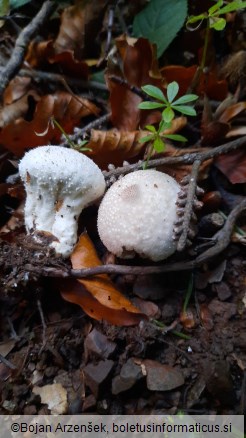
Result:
{"points": [[97, 296], [21, 135], [233, 166], [139, 67], [114, 146], [16, 89], [40, 54], [232, 111], [80, 25], [208, 84]]}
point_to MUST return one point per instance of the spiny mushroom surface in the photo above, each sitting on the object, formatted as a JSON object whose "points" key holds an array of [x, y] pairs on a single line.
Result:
{"points": [[137, 215], [59, 183]]}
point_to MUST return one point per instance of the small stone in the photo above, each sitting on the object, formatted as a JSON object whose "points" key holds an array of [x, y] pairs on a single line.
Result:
{"points": [[223, 291], [89, 403], [162, 377], [98, 344], [30, 410], [95, 375], [130, 373]]}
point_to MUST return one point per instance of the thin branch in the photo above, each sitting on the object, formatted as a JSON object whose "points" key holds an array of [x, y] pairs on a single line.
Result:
{"points": [[95, 124], [222, 239], [7, 362], [182, 159], [22, 43], [39, 75], [188, 210], [133, 88]]}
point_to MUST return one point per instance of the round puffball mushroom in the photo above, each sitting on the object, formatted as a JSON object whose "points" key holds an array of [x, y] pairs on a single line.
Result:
{"points": [[137, 215], [59, 183]]}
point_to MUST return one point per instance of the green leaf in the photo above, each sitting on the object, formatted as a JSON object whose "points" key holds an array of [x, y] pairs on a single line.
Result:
{"points": [[4, 7], [185, 99], [185, 109], [194, 18], [163, 125], [176, 137], [233, 6], [155, 92], [217, 23], [146, 138], [160, 22], [159, 145], [14, 4], [168, 114], [215, 7], [150, 128], [150, 105], [172, 91]]}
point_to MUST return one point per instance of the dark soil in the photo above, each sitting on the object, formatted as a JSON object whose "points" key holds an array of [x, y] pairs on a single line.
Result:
{"points": [[107, 369]]}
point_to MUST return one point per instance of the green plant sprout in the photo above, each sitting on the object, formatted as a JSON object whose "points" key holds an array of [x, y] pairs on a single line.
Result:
{"points": [[169, 105], [80, 147], [214, 21]]}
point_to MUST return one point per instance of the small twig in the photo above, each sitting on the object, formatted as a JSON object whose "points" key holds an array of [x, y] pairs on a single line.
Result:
{"points": [[181, 159], [222, 241], [188, 209], [22, 42], [95, 124], [39, 75], [223, 236], [44, 326], [7, 362], [133, 88], [111, 13]]}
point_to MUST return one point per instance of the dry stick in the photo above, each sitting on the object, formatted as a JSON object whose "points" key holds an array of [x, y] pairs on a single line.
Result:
{"points": [[38, 75], [222, 241], [7, 362], [182, 159], [95, 124], [22, 42], [188, 210], [133, 88]]}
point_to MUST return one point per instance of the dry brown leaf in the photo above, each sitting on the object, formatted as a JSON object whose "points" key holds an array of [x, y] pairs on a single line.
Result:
{"points": [[138, 70], [208, 84], [232, 111], [113, 146], [40, 54], [97, 296], [80, 25], [21, 134], [233, 166]]}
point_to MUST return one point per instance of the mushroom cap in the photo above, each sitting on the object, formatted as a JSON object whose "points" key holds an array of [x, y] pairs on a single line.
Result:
{"points": [[63, 170], [137, 215], [59, 183]]}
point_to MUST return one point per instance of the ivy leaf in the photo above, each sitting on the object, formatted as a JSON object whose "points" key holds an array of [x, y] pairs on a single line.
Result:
{"points": [[176, 137], [185, 99], [155, 92], [159, 145], [160, 22], [185, 109], [172, 91], [150, 105], [168, 115]]}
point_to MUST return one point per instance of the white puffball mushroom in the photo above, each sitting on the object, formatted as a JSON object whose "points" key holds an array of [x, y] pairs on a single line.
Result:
{"points": [[59, 183], [137, 215]]}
